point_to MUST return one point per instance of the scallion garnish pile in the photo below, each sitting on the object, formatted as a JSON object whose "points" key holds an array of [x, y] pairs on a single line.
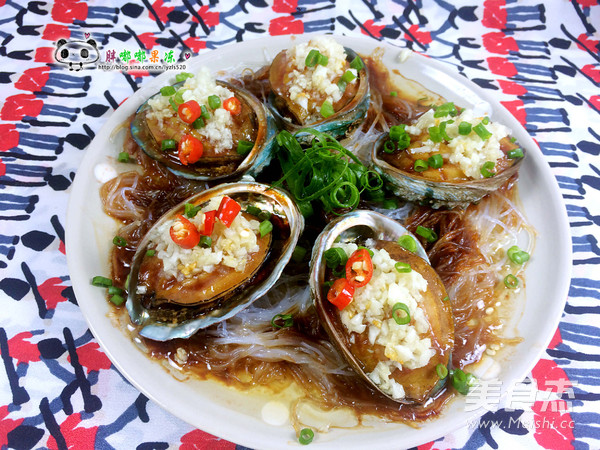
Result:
{"points": [[325, 172]]}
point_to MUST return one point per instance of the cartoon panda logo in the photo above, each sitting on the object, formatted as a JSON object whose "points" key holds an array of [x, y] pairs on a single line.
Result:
{"points": [[76, 54]]}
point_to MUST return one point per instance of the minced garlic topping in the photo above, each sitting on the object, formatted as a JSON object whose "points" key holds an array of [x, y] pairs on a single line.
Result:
{"points": [[316, 83], [468, 152], [199, 88], [231, 246], [370, 310]]}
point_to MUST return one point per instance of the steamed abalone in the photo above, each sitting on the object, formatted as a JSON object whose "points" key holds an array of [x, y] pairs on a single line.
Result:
{"points": [[387, 310], [210, 257], [448, 157], [319, 84], [205, 129]]}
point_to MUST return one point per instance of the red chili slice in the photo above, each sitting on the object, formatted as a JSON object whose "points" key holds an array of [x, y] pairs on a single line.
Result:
{"points": [[341, 293], [209, 223], [233, 105], [189, 111], [361, 274], [190, 149], [228, 210], [184, 233]]}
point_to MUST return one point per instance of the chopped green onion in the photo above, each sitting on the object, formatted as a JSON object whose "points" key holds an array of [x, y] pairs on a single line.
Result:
{"points": [[420, 165], [516, 255], [442, 371], [443, 130], [344, 195], [335, 257], [198, 123], [167, 91], [390, 203], [327, 109], [244, 147], [401, 319], [323, 171], [100, 281], [306, 436], [408, 242], [464, 128], [204, 112], [119, 241], [173, 104], [168, 144], [461, 381], [306, 209], [264, 215], [150, 252], [376, 196], [394, 94], [189, 210], [265, 228], [341, 84], [357, 63], [362, 247], [178, 98], [348, 76], [482, 131], [510, 281], [446, 298], [447, 109], [485, 120], [435, 161], [427, 233], [403, 267], [486, 169], [117, 300], [515, 153], [205, 242], [254, 210], [396, 132], [114, 290], [339, 272], [322, 60], [299, 253], [370, 176], [214, 101], [513, 139], [389, 146], [435, 134], [183, 76], [312, 58], [287, 319], [123, 157]]}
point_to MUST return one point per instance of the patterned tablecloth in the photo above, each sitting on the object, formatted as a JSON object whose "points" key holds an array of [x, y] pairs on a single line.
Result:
{"points": [[59, 390]]}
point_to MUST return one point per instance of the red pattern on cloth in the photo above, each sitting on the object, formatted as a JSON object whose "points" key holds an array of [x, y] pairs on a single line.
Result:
{"points": [[6, 425], [76, 437], [200, 440], [21, 350], [92, 357], [285, 25]]}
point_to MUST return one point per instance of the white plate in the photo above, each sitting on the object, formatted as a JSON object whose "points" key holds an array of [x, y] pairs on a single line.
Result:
{"points": [[229, 414]]}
